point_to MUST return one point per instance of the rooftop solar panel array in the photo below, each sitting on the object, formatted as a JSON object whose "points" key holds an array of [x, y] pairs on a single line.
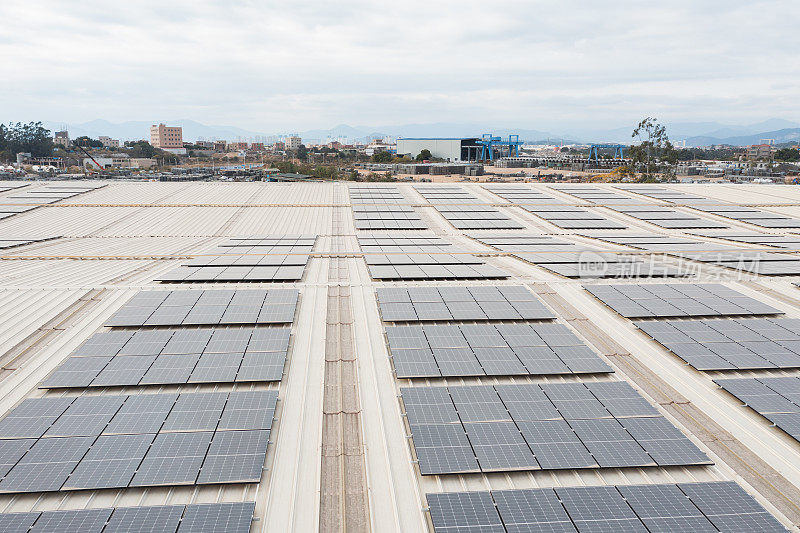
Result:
{"points": [[776, 399], [418, 304], [424, 257], [378, 207], [205, 517], [208, 307], [667, 195], [555, 211], [731, 344], [666, 217], [29, 199], [789, 242], [248, 259], [492, 350], [174, 356], [757, 217], [522, 194], [576, 260], [678, 300], [695, 507], [527, 427], [740, 213], [96, 442], [724, 255], [463, 210], [595, 195]]}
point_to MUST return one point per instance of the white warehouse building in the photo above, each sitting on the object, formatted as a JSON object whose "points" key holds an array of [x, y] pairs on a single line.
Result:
{"points": [[449, 149]]}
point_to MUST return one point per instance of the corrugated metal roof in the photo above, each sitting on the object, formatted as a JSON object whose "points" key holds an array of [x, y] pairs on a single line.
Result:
{"points": [[118, 239]]}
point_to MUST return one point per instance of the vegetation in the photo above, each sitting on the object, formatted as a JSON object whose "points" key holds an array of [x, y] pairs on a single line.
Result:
{"points": [[727, 153], [139, 149], [787, 154], [87, 142], [32, 138], [654, 155], [424, 155], [382, 157]]}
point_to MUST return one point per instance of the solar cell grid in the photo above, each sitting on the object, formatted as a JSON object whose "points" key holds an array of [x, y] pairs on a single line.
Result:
{"points": [[151, 440], [533, 427], [504, 349], [208, 308], [776, 399], [466, 217], [174, 356], [253, 259], [678, 300], [708, 506], [576, 260], [460, 303], [730, 344], [228, 517]]}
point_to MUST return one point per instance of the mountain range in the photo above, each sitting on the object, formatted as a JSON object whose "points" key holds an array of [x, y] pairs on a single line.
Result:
{"points": [[694, 133]]}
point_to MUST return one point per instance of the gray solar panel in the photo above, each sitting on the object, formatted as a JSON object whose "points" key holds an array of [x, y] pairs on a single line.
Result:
{"points": [[532, 427], [678, 300]]}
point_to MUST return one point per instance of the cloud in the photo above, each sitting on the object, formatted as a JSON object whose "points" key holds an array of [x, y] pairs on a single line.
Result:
{"points": [[280, 66]]}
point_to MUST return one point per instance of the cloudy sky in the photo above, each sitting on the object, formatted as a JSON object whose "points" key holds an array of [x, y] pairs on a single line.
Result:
{"points": [[289, 66]]}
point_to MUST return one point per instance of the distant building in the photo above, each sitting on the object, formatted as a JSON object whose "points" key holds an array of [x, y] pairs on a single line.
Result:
{"points": [[449, 149], [293, 142], [219, 146], [108, 142], [119, 162], [236, 146], [257, 147], [169, 138], [379, 146], [760, 151], [205, 144], [61, 138]]}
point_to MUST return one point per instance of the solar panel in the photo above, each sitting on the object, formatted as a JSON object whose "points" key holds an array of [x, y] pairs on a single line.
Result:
{"points": [[148, 440], [422, 258], [174, 356], [210, 518], [505, 349], [167, 308], [155, 519], [729, 344], [537, 427], [255, 259], [776, 399], [709, 506], [378, 208], [83, 520], [233, 517], [577, 260], [464, 512], [678, 300], [461, 303], [464, 211]]}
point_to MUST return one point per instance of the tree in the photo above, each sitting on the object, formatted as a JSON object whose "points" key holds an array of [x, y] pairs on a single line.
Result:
{"points": [[87, 142], [32, 138], [140, 149], [382, 157], [654, 154], [424, 155], [787, 154]]}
